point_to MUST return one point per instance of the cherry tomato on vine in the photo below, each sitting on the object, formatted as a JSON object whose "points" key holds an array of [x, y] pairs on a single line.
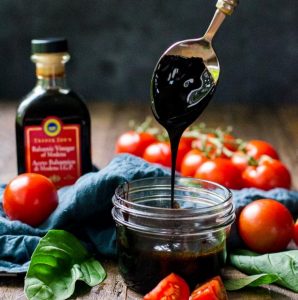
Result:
{"points": [[222, 171], [268, 174], [230, 142], [205, 144], [226, 139], [266, 225], [183, 148], [134, 143], [158, 152], [216, 146], [257, 148], [240, 160], [188, 141], [191, 161], [30, 198], [212, 290], [172, 287]]}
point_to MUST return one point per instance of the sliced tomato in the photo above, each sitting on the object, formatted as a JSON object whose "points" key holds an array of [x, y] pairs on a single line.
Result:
{"points": [[212, 290], [172, 287]]}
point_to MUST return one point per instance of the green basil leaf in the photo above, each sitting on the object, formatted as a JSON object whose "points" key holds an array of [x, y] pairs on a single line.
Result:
{"points": [[282, 264], [58, 261], [252, 280]]}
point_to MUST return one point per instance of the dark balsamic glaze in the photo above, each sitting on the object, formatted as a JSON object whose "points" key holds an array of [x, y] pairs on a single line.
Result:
{"points": [[181, 88], [143, 265]]}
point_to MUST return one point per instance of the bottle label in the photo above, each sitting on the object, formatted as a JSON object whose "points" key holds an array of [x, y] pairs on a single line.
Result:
{"points": [[54, 150]]}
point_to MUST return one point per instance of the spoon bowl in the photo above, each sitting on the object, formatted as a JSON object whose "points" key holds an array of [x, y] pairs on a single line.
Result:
{"points": [[202, 47]]}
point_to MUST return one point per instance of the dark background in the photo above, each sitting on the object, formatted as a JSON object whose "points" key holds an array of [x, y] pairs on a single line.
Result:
{"points": [[115, 44]]}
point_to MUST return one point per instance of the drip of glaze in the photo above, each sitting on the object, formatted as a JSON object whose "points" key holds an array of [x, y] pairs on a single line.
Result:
{"points": [[181, 88]]}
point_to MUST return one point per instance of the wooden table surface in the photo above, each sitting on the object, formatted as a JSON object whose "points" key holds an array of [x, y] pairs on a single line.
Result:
{"points": [[276, 124]]}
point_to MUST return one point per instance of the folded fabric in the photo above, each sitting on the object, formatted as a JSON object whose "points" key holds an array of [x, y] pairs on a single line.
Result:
{"points": [[85, 210]]}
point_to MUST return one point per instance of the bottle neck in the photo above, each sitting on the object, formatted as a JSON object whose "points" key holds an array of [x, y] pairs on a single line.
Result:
{"points": [[51, 82], [50, 70]]}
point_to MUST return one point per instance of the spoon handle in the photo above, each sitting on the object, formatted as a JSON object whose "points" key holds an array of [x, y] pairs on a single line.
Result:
{"points": [[224, 8]]}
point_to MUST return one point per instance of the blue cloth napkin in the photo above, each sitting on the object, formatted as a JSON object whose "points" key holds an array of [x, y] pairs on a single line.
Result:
{"points": [[85, 210]]}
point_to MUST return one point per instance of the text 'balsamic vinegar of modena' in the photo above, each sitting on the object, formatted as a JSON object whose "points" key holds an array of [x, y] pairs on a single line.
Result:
{"points": [[53, 132]]}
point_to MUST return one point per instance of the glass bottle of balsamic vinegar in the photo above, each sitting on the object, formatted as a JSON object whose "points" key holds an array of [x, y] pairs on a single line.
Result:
{"points": [[53, 131]]}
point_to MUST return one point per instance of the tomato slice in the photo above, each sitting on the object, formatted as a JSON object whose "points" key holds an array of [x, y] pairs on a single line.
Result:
{"points": [[212, 290], [172, 287]]}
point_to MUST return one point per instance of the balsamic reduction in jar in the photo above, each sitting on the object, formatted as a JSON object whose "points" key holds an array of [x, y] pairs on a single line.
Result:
{"points": [[181, 88], [154, 240], [144, 264]]}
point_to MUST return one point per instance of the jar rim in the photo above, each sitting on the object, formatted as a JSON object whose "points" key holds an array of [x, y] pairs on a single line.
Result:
{"points": [[213, 210], [227, 196]]}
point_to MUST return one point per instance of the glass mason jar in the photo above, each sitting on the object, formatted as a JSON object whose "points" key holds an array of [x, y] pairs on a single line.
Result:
{"points": [[154, 240]]}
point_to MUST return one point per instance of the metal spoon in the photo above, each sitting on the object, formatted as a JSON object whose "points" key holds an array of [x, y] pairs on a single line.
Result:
{"points": [[202, 47]]}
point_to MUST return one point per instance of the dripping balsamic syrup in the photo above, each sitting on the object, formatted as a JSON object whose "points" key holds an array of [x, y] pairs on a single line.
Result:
{"points": [[181, 88]]}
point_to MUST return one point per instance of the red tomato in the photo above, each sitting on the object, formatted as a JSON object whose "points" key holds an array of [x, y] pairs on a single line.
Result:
{"points": [[191, 161], [296, 233], [159, 152], [188, 141], [268, 174], [240, 160], [134, 143], [173, 287], [205, 145], [230, 142], [215, 145], [211, 290], [257, 148], [266, 225], [30, 198], [226, 139], [183, 148], [222, 171]]}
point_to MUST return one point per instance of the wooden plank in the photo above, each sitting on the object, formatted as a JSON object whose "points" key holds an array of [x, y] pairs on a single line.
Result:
{"points": [[113, 288]]}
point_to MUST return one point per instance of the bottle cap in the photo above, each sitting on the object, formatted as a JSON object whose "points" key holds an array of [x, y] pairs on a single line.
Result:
{"points": [[49, 45]]}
